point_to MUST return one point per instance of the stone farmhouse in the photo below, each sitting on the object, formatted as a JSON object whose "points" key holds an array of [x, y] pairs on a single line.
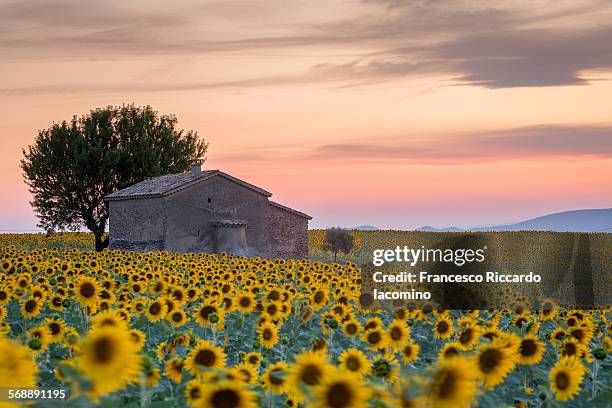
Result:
{"points": [[205, 211]]}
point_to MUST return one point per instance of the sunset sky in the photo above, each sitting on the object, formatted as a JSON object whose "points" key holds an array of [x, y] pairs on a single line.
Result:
{"points": [[384, 112]]}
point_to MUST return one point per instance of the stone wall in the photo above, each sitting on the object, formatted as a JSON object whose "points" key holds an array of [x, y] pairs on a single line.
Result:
{"points": [[138, 246], [137, 220], [288, 234], [191, 213]]}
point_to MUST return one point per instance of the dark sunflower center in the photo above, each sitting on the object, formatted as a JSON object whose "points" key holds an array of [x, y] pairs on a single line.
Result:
{"points": [[274, 378], [569, 349], [577, 334], [206, 311], [155, 308], [225, 398], [407, 351], [87, 290], [396, 333], [311, 374], [54, 328], [318, 297], [351, 328], [267, 334], [528, 348], [352, 363], [442, 327], [103, 350], [195, 393], [339, 395], [205, 358], [451, 351], [447, 385], [374, 338], [489, 360], [562, 381], [30, 306], [245, 301], [466, 336], [177, 317]]}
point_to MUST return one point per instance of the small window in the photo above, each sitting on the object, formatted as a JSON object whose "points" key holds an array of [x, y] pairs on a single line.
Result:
{"points": [[209, 200]]}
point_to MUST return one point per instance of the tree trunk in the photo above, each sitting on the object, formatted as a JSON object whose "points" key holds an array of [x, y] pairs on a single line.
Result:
{"points": [[100, 243]]}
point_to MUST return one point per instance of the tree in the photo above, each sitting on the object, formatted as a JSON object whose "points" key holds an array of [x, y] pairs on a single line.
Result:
{"points": [[338, 240], [73, 165]]}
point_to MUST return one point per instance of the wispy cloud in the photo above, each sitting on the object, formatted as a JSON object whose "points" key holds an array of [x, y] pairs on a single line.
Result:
{"points": [[535, 142], [490, 44]]}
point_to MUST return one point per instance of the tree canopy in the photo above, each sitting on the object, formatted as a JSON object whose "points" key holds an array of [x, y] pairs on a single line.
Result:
{"points": [[74, 164], [338, 240]]}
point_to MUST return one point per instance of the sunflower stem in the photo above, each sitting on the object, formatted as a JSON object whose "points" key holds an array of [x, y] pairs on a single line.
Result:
{"points": [[594, 381]]}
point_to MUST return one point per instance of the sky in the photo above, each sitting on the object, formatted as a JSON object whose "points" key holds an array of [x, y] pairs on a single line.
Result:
{"points": [[383, 112]]}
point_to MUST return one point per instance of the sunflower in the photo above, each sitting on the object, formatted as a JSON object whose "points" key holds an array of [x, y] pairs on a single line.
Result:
{"points": [[156, 310], [375, 338], [530, 350], [253, 358], [341, 390], [177, 317], [355, 361], [410, 352], [443, 327], [17, 365], [386, 368], [108, 357], [468, 337], [351, 327], [493, 363], [274, 378], [30, 308], [109, 318], [56, 328], [204, 355], [39, 338], [398, 334], [152, 376], [308, 370], [174, 369], [87, 290], [548, 310], [452, 383], [571, 347], [137, 337], [566, 377], [558, 335], [246, 372], [226, 394], [268, 335], [209, 314], [245, 302], [450, 350], [193, 392]]}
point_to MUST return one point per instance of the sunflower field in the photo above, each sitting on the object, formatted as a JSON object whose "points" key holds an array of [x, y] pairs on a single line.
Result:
{"points": [[163, 329]]}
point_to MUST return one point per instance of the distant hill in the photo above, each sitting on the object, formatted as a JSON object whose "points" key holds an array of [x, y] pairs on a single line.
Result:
{"points": [[598, 220], [365, 228], [429, 228]]}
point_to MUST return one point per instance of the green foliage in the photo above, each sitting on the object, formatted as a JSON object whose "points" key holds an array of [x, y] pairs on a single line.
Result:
{"points": [[73, 165]]}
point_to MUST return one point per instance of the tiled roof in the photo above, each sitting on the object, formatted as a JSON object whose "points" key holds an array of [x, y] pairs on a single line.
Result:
{"points": [[291, 210], [171, 183]]}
